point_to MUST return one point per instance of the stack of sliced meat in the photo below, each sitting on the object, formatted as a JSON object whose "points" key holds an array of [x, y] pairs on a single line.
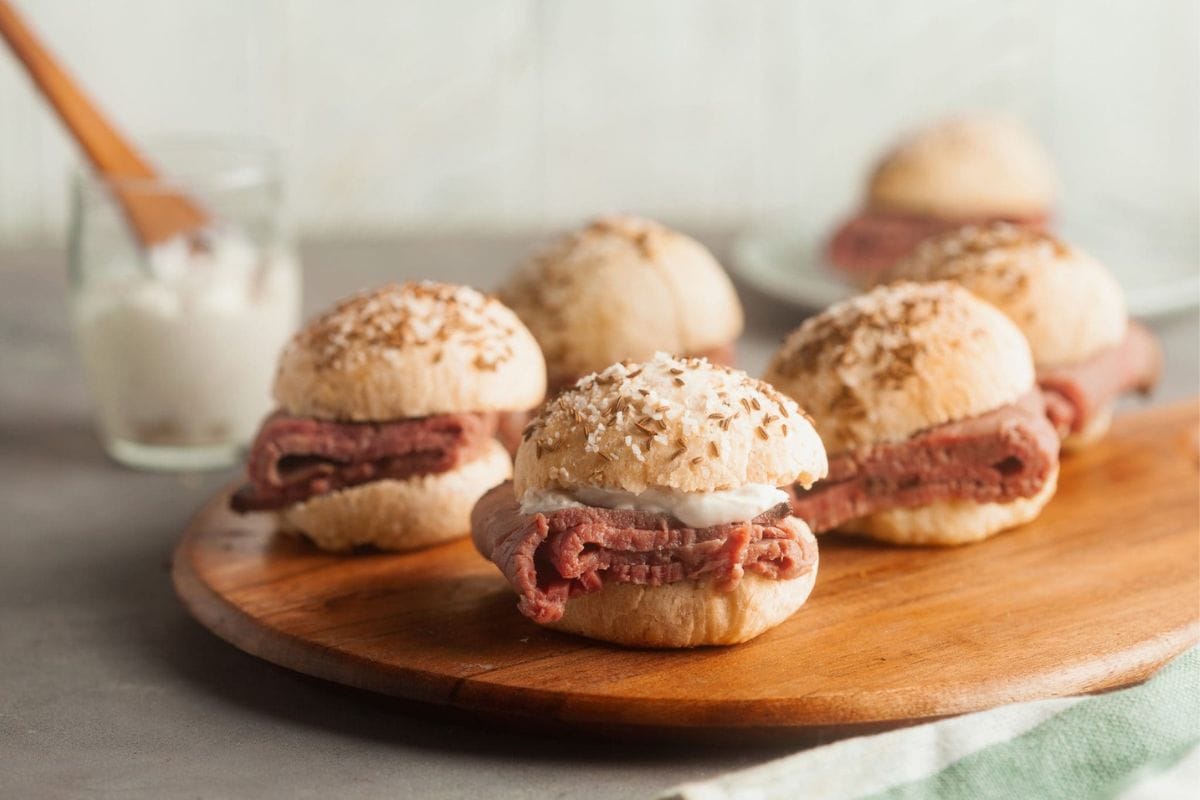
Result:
{"points": [[550, 558], [998, 457], [1075, 394], [295, 458]]}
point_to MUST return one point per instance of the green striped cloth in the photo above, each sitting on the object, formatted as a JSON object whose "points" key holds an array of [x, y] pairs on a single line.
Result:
{"points": [[1136, 744]]}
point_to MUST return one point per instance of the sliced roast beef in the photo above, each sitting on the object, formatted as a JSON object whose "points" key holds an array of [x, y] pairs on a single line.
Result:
{"points": [[873, 241], [550, 558], [996, 457], [1076, 393], [294, 458]]}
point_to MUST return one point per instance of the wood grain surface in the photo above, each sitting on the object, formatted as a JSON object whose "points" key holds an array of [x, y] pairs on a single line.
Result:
{"points": [[1096, 594]]}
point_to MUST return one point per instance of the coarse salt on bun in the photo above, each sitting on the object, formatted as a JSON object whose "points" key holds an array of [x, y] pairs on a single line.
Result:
{"points": [[411, 350], [901, 358], [965, 168], [1065, 302], [677, 423], [623, 288]]}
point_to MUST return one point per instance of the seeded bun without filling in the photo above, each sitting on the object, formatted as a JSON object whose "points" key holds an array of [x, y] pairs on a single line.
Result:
{"points": [[965, 168], [622, 288], [400, 351], [688, 425], [897, 360]]}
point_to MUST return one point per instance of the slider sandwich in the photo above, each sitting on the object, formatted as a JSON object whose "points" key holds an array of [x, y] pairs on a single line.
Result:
{"points": [[388, 407], [1072, 311], [924, 396], [957, 171], [644, 510]]}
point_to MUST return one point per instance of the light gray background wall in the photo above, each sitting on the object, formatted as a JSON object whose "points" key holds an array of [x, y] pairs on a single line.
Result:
{"points": [[400, 116]]}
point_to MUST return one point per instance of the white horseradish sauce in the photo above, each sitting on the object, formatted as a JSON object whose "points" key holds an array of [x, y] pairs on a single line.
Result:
{"points": [[694, 509]]}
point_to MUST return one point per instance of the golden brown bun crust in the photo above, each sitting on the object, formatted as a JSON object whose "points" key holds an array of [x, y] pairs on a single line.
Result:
{"points": [[400, 515], [905, 357], [670, 422], [623, 288], [411, 350], [952, 522], [1068, 306], [965, 168], [687, 613]]}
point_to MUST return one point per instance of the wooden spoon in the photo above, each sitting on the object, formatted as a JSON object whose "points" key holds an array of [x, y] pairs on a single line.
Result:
{"points": [[155, 214]]}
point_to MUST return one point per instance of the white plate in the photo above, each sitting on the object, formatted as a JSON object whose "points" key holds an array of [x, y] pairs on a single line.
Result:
{"points": [[791, 267]]}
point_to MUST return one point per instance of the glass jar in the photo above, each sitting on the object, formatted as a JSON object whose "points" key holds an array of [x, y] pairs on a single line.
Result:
{"points": [[179, 341]]}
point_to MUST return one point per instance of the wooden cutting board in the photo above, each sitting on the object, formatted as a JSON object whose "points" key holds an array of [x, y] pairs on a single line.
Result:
{"points": [[1097, 593]]}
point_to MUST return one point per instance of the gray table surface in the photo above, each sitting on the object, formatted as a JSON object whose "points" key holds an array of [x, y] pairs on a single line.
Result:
{"points": [[108, 689]]}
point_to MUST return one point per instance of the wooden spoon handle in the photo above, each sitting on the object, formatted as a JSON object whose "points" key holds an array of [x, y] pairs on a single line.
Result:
{"points": [[155, 216]]}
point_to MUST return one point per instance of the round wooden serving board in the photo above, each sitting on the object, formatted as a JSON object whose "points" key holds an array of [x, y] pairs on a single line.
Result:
{"points": [[1096, 594]]}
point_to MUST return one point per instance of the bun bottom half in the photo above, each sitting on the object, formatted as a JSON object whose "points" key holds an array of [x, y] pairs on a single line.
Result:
{"points": [[686, 613], [1091, 433], [952, 522], [399, 514]]}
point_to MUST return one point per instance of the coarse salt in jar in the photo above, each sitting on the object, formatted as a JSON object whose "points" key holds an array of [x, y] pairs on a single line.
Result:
{"points": [[179, 341]]}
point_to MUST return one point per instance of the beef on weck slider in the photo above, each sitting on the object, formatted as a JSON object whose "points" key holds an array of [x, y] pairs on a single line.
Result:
{"points": [[388, 409], [1086, 350], [924, 396], [644, 507], [955, 171]]}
